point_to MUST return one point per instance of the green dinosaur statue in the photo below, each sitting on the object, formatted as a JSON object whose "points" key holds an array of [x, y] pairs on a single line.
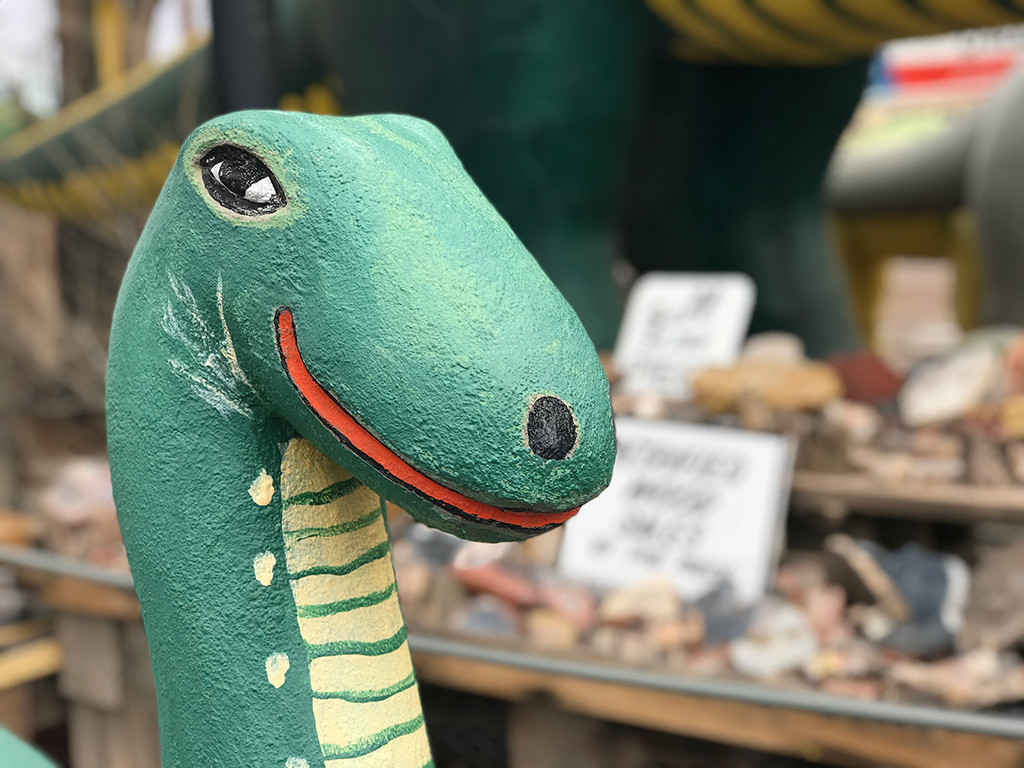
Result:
{"points": [[322, 311]]}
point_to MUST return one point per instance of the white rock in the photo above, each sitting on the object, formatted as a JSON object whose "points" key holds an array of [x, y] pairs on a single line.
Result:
{"points": [[947, 388], [774, 347], [779, 639]]}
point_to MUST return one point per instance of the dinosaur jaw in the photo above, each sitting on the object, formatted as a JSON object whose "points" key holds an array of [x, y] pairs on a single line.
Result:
{"points": [[360, 441]]}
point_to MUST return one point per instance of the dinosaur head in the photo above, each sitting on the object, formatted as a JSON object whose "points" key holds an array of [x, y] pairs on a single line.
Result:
{"points": [[377, 303]]}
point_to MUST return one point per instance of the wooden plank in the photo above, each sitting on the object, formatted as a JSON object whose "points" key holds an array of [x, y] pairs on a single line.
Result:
{"points": [[87, 731], [93, 670], [814, 736], [22, 631], [929, 501], [29, 661], [71, 595]]}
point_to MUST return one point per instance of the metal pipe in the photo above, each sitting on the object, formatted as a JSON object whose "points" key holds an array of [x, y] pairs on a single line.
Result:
{"points": [[41, 560], [887, 712]]}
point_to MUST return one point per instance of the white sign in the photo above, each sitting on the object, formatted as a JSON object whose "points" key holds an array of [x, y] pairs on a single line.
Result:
{"points": [[703, 505], [679, 322]]}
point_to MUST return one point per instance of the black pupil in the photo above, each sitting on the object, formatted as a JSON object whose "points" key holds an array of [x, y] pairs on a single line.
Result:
{"points": [[550, 428], [238, 171]]}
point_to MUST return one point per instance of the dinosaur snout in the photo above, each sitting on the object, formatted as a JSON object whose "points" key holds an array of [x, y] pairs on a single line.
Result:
{"points": [[550, 430]]}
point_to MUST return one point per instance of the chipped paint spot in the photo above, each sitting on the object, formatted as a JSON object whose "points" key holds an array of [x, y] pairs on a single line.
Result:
{"points": [[296, 762], [262, 489], [277, 667], [263, 566]]}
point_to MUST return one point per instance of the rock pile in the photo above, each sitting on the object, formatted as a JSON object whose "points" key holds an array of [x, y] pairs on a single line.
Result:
{"points": [[857, 620]]}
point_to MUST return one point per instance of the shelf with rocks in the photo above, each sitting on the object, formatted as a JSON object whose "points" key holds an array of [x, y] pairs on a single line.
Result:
{"points": [[835, 495], [856, 620], [505, 630], [945, 442], [554, 697]]}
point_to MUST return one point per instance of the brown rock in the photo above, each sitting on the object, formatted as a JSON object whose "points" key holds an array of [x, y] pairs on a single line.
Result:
{"points": [[606, 641], [652, 600], [854, 657], [494, 580], [976, 679], [756, 415], [684, 632], [573, 601], [1015, 461], [638, 648], [858, 422], [866, 378], [551, 631], [806, 386], [985, 463], [1011, 418], [825, 608], [796, 578]]}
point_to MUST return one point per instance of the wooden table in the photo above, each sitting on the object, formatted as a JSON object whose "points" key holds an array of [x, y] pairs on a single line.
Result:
{"points": [[812, 726], [837, 494]]}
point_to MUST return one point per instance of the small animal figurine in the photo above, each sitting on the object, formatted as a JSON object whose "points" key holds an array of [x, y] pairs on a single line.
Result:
{"points": [[324, 315]]}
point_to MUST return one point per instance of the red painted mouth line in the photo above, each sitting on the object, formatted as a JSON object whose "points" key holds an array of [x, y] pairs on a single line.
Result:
{"points": [[333, 415]]}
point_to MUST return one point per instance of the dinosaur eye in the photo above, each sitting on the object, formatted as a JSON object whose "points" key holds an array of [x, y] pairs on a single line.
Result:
{"points": [[240, 181]]}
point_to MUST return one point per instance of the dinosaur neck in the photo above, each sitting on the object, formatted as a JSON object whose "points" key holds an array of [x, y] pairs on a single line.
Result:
{"points": [[262, 650], [365, 700]]}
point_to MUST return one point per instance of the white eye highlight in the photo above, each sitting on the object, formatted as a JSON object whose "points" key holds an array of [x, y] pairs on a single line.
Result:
{"points": [[261, 192], [215, 170]]}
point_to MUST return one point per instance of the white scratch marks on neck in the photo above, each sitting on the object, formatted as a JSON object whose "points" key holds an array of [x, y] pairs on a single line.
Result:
{"points": [[227, 347], [208, 391], [208, 361]]}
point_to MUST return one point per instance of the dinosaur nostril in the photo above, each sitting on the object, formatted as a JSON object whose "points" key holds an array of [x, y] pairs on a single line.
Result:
{"points": [[550, 428]]}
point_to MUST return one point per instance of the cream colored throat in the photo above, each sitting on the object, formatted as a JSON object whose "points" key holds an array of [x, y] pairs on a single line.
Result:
{"points": [[364, 695]]}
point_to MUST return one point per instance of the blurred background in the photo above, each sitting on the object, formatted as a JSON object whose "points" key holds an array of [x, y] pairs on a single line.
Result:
{"points": [[794, 231]]}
